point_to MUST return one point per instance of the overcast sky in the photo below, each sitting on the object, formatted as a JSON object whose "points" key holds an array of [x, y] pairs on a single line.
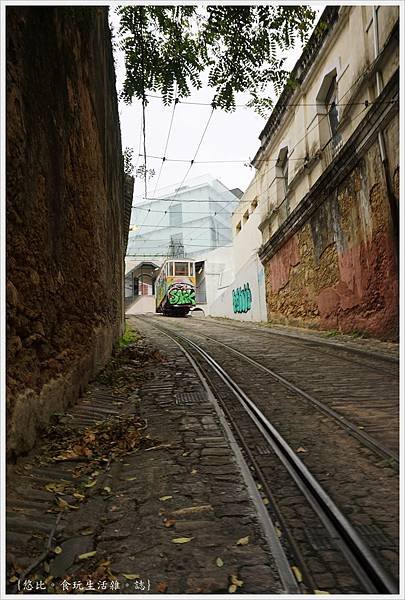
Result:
{"points": [[230, 136]]}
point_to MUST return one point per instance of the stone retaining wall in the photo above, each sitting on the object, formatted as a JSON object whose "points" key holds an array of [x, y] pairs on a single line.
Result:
{"points": [[65, 211]]}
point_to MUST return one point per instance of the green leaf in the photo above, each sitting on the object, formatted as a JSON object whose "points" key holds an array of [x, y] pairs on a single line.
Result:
{"points": [[239, 46]]}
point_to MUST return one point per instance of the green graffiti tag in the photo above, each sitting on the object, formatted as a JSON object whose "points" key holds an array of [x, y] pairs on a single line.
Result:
{"points": [[242, 299], [177, 296]]}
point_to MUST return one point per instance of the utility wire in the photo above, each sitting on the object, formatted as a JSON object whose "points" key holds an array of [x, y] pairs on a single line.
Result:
{"points": [[173, 199], [143, 103], [184, 226], [184, 212], [192, 103], [191, 245], [163, 158], [366, 104], [261, 194], [170, 199], [164, 155]]}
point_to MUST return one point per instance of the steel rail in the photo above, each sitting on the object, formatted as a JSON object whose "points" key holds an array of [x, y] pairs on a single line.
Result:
{"points": [[355, 431], [358, 555], [289, 581]]}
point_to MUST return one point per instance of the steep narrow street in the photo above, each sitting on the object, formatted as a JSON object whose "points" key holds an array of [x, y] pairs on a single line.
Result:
{"points": [[141, 486], [202, 374]]}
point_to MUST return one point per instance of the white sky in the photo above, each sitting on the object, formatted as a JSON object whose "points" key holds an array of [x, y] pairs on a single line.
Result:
{"points": [[230, 136]]}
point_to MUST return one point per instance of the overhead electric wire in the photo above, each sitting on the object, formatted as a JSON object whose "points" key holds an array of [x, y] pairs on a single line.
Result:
{"points": [[184, 226], [294, 104], [365, 103], [143, 103], [261, 194], [191, 162], [163, 158], [184, 212], [172, 199]]}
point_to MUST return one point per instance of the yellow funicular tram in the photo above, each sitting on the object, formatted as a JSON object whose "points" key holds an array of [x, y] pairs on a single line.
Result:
{"points": [[175, 287]]}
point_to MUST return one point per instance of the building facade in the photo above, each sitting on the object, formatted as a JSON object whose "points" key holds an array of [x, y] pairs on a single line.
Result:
{"points": [[192, 218], [192, 221], [326, 188]]}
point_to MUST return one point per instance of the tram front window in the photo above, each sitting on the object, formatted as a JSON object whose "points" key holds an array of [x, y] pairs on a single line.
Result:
{"points": [[181, 268]]}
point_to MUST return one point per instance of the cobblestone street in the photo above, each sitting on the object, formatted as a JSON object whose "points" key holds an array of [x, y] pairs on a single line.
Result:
{"points": [[202, 261], [175, 517], [168, 504]]}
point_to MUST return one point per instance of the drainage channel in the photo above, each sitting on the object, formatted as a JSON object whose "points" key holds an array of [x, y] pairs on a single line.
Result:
{"points": [[363, 563]]}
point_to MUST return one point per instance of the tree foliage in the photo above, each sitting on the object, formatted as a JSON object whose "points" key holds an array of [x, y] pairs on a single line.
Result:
{"points": [[167, 49], [127, 157]]}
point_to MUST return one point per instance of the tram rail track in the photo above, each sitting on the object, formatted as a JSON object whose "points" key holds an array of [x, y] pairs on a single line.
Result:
{"points": [[367, 569], [323, 345], [367, 409], [345, 423]]}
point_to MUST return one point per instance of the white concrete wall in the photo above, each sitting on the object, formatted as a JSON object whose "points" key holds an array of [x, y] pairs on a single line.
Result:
{"points": [[251, 273], [246, 240], [141, 306]]}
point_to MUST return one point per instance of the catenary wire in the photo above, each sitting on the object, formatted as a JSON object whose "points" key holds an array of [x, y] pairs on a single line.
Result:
{"points": [[365, 103], [261, 194], [193, 103], [163, 158], [191, 162]]}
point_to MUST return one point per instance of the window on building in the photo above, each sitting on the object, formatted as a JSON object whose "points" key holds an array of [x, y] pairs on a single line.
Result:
{"points": [[245, 216], [254, 204], [330, 138], [238, 227], [330, 102], [282, 169]]}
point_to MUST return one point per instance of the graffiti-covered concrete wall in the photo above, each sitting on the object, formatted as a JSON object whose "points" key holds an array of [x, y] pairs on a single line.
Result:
{"points": [[244, 299]]}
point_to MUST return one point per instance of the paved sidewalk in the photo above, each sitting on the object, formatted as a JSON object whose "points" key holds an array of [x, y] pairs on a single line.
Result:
{"points": [[167, 510]]}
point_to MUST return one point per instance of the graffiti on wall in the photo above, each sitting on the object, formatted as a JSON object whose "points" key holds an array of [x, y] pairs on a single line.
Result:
{"points": [[181, 293], [242, 299]]}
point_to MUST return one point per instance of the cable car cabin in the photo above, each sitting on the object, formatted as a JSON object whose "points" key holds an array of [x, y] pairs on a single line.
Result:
{"points": [[175, 288]]}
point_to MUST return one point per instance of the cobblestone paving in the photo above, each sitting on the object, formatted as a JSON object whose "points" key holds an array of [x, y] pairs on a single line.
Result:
{"points": [[363, 486], [174, 517], [389, 350]]}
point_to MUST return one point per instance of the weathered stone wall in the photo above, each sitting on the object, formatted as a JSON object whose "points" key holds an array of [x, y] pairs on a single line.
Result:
{"points": [[65, 210], [339, 271]]}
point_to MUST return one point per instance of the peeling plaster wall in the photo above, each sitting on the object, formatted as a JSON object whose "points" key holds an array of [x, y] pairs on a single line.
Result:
{"points": [[65, 211], [339, 270]]}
